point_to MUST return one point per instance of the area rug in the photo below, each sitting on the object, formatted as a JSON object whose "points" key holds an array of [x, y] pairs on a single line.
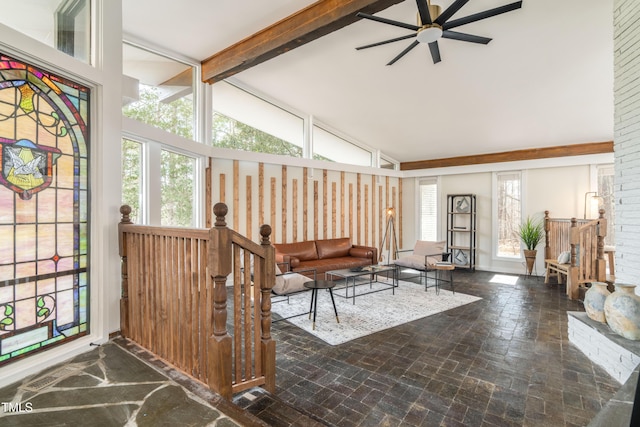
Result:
{"points": [[371, 313]]}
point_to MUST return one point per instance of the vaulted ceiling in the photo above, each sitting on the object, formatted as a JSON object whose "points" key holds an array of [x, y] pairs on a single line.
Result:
{"points": [[545, 80]]}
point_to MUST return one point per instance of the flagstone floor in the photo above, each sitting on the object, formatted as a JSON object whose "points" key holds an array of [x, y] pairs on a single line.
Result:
{"points": [[109, 386], [502, 361]]}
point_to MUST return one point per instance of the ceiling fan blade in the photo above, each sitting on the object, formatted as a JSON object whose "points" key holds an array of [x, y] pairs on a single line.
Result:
{"points": [[388, 21], [404, 52], [448, 13], [423, 9], [386, 41], [482, 15], [435, 52], [454, 35]]}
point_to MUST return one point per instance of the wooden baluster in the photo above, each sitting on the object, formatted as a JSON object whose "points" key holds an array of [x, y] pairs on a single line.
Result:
{"points": [[547, 237], [125, 211], [268, 345], [220, 343]]}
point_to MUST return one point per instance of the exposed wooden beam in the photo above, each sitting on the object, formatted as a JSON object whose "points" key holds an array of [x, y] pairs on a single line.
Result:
{"points": [[313, 22], [512, 156]]}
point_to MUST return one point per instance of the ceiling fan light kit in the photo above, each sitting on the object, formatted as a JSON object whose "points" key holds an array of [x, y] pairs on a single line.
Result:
{"points": [[434, 25]]}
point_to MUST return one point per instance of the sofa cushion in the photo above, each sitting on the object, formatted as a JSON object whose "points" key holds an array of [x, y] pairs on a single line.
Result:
{"points": [[416, 261], [424, 247], [304, 251], [333, 248], [289, 282], [361, 252]]}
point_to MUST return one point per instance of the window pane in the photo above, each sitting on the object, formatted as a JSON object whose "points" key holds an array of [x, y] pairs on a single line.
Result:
{"points": [[328, 146], [132, 178], [509, 214], [63, 24], [230, 133], [608, 202], [428, 211], [177, 190], [271, 122], [44, 205], [165, 96]]}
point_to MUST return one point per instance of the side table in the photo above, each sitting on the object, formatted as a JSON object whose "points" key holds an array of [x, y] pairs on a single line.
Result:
{"points": [[440, 269], [314, 285]]}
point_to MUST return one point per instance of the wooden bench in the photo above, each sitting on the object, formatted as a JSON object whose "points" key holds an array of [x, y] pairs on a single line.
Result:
{"points": [[557, 270]]}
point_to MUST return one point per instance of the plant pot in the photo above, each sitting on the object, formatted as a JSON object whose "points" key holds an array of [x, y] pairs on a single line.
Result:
{"points": [[594, 300], [530, 258], [622, 311]]}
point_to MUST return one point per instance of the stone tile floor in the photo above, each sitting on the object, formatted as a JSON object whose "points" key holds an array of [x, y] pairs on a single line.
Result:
{"points": [[502, 361], [109, 386]]}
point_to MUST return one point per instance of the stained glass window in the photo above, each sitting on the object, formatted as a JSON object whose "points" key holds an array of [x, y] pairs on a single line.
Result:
{"points": [[44, 207]]}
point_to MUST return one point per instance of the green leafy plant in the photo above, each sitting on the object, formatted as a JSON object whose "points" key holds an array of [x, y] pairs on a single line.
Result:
{"points": [[531, 232]]}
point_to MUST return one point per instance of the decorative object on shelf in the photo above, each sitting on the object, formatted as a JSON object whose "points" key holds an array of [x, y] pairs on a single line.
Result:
{"points": [[390, 238], [463, 205], [594, 300], [460, 258], [622, 311], [531, 232]]}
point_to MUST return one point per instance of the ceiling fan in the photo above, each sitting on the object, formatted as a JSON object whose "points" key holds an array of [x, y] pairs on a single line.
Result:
{"points": [[433, 25]]}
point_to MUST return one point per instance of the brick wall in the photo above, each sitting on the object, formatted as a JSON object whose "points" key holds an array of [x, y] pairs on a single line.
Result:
{"points": [[627, 139]]}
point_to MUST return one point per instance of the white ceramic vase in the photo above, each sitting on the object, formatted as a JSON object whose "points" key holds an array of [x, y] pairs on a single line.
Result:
{"points": [[622, 311]]}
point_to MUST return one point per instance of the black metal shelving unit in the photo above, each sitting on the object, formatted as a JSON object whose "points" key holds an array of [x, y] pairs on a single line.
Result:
{"points": [[461, 229]]}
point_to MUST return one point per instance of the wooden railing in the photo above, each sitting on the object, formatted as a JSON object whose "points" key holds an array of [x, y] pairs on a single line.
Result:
{"points": [[174, 300], [584, 238]]}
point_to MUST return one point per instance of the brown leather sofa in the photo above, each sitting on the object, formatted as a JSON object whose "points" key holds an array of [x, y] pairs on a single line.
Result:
{"points": [[325, 255]]}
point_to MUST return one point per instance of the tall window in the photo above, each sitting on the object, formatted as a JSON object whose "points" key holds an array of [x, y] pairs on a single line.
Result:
{"points": [[165, 91], [178, 190], [607, 200], [428, 193], [44, 209], [508, 206], [243, 121], [132, 178], [63, 24]]}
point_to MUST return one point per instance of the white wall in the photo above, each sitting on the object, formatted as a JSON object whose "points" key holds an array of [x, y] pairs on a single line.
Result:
{"points": [[547, 185], [627, 140]]}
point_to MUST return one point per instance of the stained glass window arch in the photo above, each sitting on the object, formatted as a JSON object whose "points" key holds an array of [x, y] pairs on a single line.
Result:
{"points": [[44, 209]]}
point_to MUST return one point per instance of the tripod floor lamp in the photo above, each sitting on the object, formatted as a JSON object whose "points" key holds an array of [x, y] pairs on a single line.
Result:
{"points": [[390, 238]]}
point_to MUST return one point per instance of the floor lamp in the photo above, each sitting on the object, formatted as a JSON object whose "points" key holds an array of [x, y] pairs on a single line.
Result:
{"points": [[390, 237]]}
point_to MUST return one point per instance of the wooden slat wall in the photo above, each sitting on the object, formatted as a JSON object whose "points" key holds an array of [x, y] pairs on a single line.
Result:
{"points": [[303, 203]]}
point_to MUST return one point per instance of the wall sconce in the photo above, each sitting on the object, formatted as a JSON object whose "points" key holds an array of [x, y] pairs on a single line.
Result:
{"points": [[588, 201]]}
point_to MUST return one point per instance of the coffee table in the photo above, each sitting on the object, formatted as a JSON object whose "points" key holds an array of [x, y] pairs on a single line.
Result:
{"points": [[373, 271]]}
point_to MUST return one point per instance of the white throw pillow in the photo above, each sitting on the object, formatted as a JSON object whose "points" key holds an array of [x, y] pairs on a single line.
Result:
{"points": [[424, 247], [564, 257]]}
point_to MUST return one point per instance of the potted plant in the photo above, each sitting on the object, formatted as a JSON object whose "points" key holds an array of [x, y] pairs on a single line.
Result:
{"points": [[531, 232]]}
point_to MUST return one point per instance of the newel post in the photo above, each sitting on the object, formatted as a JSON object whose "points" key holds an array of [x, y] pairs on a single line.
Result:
{"points": [[125, 211], [572, 275], [220, 343], [267, 343], [547, 238], [601, 264]]}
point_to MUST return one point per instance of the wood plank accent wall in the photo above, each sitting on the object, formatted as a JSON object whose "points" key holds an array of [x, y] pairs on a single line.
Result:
{"points": [[300, 205]]}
